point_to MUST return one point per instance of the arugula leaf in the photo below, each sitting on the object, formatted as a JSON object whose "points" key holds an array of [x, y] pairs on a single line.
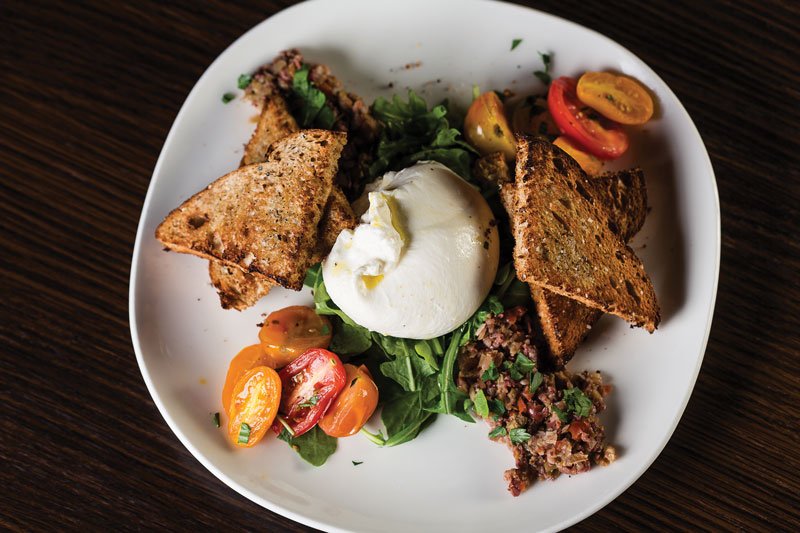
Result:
{"points": [[349, 339], [519, 435], [405, 415], [243, 81], [577, 402], [491, 373], [515, 43], [413, 133], [499, 431], [535, 381], [544, 75], [310, 102], [524, 364], [314, 446], [481, 405]]}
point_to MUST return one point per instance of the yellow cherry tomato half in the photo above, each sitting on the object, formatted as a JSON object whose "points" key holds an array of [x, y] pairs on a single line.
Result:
{"points": [[290, 331], [249, 357], [589, 163], [354, 405], [618, 98], [486, 127], [253, 406]]}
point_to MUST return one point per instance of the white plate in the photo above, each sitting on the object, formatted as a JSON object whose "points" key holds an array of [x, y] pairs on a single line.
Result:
{"points": [[451, 477]]}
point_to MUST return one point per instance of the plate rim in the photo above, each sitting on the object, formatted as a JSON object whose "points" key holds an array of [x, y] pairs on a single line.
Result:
{"points": [[276, 508]]}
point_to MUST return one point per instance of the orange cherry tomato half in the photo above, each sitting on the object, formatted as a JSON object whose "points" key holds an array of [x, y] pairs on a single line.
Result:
{"points": [[253, 405], [618, 98], [532, 117], [486, 127], [247, 358], [354, 405], [290, 331], [310, 385], [589, 163], [582, 125]]}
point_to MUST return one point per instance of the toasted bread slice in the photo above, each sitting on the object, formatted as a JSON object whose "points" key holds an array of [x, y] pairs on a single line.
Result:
{"points": [[262, 217], [274, 123], [563, 242], [237, 289], [338, 217], [566, 322]]}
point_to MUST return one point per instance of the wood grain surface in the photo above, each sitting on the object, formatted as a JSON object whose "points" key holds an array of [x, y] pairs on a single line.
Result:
{"points": [[88, 92]]}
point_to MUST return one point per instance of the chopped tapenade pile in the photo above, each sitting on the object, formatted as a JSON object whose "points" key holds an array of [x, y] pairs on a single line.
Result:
{"points": [[549, 420]]}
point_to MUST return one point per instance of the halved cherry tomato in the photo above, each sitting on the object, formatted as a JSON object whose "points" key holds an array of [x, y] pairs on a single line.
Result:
{"points": [[588, 130], [618, 98], [486, 127], [589, 163], [310, 385], [253, 405], [247, 358], [290, 331], [531, 116], [354, 405]]}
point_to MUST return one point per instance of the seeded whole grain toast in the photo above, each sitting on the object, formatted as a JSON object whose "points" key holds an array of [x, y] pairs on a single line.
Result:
{"points": [[274, 123], [263, 217], [563, 241]]}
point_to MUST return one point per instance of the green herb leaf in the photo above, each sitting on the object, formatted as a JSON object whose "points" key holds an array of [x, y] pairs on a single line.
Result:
{"points": [[519, 435], [578, 402], [356, 463], [491, 373], [311, 402], [535, 381], [310, 102], [413, 133], [499, 431], [564, 417], [515, 43], [544, 75], [243, 81], [349, 339], [497, 406], [244, 434], [524, 364], [481, 406], [314, 446], [215, 419], [227, 97]]}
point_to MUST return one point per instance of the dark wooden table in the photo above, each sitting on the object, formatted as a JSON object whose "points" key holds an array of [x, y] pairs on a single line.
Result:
{"points": [[88, 92]]}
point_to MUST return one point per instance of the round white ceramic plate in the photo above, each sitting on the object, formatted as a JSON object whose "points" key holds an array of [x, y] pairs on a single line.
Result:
{"points": [[451, 477]]}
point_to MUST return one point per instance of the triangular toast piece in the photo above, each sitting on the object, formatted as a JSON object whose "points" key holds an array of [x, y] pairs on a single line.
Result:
{"points": [[338, 217], [262, 217], [563, 242], [274, 123], [566, 322]]}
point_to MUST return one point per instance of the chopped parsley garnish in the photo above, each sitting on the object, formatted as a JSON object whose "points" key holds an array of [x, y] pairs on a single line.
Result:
{"points": [[312, 108], [515, 43], [535, 381], [243, 81], [244, 433], [519, 435], [499, 431], [524, 364], [578, 402], [544, 75], [491, 373], [481, 406], [497, 406], [560, 414], [227, 97], [356, 463], [311, 402], [215, 419]]}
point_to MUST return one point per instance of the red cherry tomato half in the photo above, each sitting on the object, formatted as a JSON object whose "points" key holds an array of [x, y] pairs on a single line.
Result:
{"points": [[591, 132], [310, 384]]}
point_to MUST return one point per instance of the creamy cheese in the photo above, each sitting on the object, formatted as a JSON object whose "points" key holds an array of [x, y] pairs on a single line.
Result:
{"points": [[423, 258]]}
